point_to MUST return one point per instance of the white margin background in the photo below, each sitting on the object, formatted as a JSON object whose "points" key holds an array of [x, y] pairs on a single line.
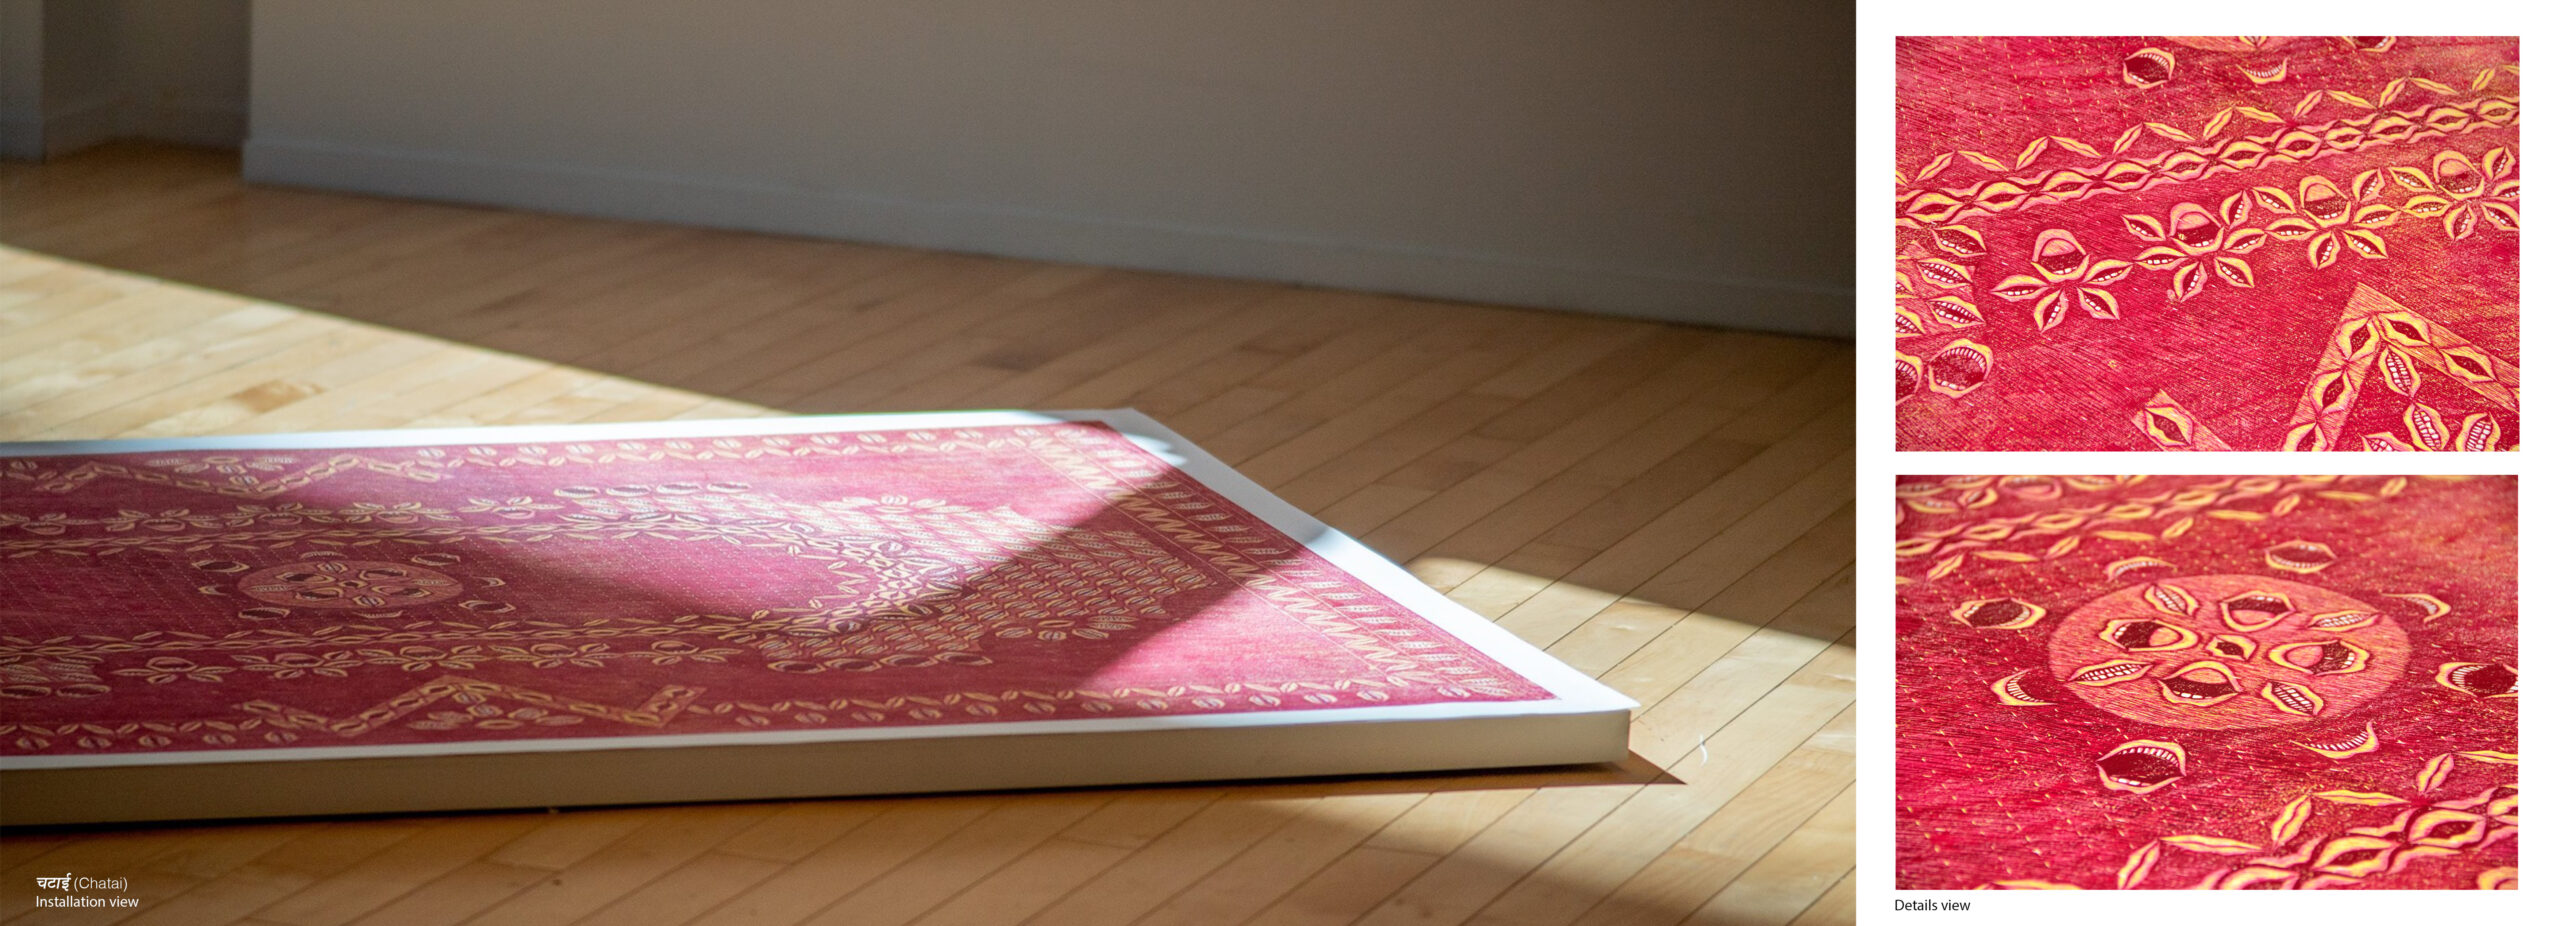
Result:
{"points": [[1879, 22]]}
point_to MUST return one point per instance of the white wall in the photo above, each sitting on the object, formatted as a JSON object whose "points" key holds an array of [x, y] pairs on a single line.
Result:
{"points": [[74, 73], [1668, 158]]}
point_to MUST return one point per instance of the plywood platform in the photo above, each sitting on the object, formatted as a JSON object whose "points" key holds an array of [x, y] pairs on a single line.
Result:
{"points": [[1664, 508]]}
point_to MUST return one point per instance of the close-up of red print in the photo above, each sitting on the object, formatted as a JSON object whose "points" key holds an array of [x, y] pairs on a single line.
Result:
{"points": [[2207, 243], [2252, 682]]}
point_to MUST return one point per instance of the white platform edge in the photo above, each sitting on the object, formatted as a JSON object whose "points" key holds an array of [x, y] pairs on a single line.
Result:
{"points": [[1585, 722]]}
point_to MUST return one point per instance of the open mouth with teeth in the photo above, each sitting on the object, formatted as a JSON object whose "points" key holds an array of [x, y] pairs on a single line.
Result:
{"points": [[2142, 766], [2362, 742], [2301, 556], [2478, 679], [2255, 611], [1959, 369], [2293, 699], [2147, 636], [1998, 614], [2200, 684], [2321, 657], [2110, 672], [2343, 620]]}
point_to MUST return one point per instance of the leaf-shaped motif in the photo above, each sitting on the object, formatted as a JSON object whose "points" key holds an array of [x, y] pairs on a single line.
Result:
{"points": [[2106, 270], [1959, 240], [2214, 126], [2235, 209], [1988, 162], [2213, 844], [2391, 91], [2186, 281], [2490, 756], [2323, 251], [2366, 186], [2498, 163], [2125, 140], [2413, 178], [2350, 99], [2460, 223], [2426, 205], [1999, 194], [2398, 373], [2168, 131], [2235, 271], [2170, 599], [1932, 207], [1935, 165], [2138, 866], [2366, 244], [2049, 311], [2099, 303], [2361, 798], [2426, 427], [2480, 433], [2035, 149], [2309, 100], [2502, 215], [1955, 313], [2145, 227], [2159, 257], [2076, 146], [1943, 273], [2017, 288], [2289, 820], [2274, 200], [2434, 772], [2292, 226]]}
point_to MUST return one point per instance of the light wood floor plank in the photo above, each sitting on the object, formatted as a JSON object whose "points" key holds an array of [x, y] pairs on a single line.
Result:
{"points": [[1667, 507]]}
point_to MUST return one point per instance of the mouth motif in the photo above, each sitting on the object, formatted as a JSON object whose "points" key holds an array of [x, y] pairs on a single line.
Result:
{"points": [[2193, 227], [2110, 672], [2149, 67], [2199, 684], [2266, 75], [1998, 614], [2138, 635], [1960, 368], [2478, 679], [2321, 657], [2015, 695], [2142, 766], [2356, 745], [2301, 556], [2293, 699], [1906, 376], [2117, 570], [2253, 611], [2059, 255], [2231, 645], [2342, 620]]}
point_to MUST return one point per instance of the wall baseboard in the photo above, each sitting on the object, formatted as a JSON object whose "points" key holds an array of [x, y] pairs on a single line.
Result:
{"points": [[1780, 306]]}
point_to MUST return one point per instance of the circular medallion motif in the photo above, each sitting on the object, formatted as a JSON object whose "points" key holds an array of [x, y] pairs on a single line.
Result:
{"points": [[349, 584], [2222, 652]]}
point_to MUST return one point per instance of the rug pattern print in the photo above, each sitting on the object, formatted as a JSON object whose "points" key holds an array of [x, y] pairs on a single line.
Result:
{"points": [[2194, 243], [261, 599], [2265, 682]]}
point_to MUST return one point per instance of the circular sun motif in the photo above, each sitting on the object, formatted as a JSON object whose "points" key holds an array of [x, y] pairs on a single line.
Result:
{"points": [[2221, 652], [349, 584]]}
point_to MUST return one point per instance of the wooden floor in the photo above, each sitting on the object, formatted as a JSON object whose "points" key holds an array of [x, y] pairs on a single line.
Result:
{"points": [[1665, 508]]}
